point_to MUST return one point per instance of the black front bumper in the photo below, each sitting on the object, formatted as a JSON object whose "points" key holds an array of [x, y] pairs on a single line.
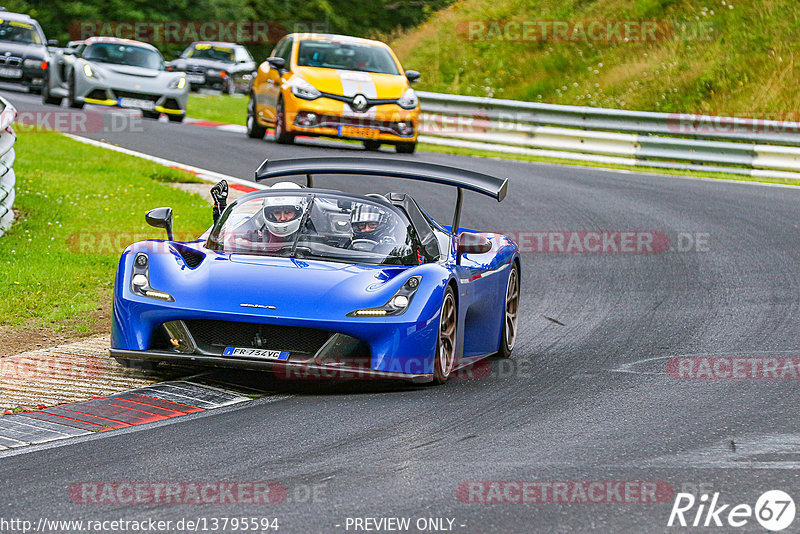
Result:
{"points": [[295, 368]]}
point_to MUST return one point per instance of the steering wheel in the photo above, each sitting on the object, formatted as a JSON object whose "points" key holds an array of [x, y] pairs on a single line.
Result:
{"points": [[363, 245]]}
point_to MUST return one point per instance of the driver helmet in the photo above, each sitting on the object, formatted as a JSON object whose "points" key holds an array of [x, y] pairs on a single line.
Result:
{"points": [[282, 213], [369, 222]]}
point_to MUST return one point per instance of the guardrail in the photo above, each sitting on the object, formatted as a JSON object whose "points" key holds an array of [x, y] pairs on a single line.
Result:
{"points": [[7, 155], [753, 147]]}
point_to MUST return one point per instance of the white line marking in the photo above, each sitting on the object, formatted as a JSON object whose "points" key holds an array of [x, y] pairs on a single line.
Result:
{"points": [[210, 176]]}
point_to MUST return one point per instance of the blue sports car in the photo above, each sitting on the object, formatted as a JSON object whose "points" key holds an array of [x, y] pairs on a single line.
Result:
{"points": [[312, 282]]}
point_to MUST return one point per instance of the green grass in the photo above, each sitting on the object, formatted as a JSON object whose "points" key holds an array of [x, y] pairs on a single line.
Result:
{"points": [[77, 207], [725, 57], [227, 109]]}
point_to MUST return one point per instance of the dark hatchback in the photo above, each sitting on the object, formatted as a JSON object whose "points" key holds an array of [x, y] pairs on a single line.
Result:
{"points": [[227, 67]]}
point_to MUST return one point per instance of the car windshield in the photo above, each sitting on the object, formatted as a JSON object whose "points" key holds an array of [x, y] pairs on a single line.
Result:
{"points": [[124, 54], [346, 56], [19, 32], [324, 226], [213, 52]]}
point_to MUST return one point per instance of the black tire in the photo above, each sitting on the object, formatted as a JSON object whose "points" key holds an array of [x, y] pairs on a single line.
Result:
{"points": [[144, 365], [445, 358], [71, 97], [175, 118], [372, 145], [35, 90], [510, 314], [151, 114], [254, 130], [282, 137], [47, 98], [406, 148]]}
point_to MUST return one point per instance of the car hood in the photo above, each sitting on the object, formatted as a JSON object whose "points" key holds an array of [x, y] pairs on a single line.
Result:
{"points": [[23, 50], [128, 70], [296, 288], [350, 82], [208, 63]]}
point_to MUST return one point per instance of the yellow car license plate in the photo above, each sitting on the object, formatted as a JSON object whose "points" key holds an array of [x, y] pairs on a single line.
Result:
{"points": [[365, 133]]}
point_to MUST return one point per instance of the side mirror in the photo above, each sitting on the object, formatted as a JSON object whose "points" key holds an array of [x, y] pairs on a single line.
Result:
{"points": [[160, 218], [413, 76], [68, 52], [52, 42], [277, 63], [472, 243]]}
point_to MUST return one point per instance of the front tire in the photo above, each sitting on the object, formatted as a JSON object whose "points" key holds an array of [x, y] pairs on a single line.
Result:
{"points": [[151, 115], [372, 145], [282, 137], [445, 358], [71, 97], [47, 98], [254, 130], [406, 148], [510, 313], [176, 118]]}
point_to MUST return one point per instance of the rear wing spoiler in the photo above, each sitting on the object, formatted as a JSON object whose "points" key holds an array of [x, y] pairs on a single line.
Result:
{"points": [[395, 168]]}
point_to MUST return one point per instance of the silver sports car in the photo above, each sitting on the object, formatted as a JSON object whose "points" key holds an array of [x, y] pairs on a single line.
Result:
{"points": [[116, 72]]}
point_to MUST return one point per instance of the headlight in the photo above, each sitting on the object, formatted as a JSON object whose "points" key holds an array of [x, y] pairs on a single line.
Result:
{"points": [[409, 99], [215, 73], [397, 305], [140, 280], [33, 63], [178, 83], [87, 70], [303, 89]]}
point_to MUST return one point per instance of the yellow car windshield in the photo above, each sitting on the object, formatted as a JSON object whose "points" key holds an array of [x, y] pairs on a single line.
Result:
{"points": [[346, 56]]}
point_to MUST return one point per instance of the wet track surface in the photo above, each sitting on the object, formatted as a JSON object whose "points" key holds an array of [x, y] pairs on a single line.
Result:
{"points": [[586, 396]]}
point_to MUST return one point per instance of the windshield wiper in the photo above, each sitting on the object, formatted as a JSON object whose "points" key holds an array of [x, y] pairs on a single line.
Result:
{"points": [[303, 222]]}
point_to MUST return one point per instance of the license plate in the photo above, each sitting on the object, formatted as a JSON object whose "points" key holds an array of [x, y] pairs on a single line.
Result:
{"points": [[196, 78], [364, 133], [262, 354], [11, 73], [136, 103]]}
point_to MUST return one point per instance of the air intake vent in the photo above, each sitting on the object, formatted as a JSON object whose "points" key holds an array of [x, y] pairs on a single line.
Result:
{"points": [[192, 257]]}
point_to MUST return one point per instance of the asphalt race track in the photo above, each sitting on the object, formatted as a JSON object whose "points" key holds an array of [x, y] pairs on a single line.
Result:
{"points": [[586, 398]]}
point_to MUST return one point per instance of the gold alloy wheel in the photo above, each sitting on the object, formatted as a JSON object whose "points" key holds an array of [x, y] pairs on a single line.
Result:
{"points": [[512, 307], [446, 356]]}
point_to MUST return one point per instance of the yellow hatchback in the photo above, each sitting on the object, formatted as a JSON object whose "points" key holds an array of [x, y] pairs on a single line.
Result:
{"points": [[335, 86]]}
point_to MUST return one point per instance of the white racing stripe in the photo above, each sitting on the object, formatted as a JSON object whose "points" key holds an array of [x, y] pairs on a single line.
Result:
{"points": [[354, 83]]}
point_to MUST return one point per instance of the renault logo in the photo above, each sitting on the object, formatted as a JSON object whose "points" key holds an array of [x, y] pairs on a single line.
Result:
{"points": [[359, 103]]}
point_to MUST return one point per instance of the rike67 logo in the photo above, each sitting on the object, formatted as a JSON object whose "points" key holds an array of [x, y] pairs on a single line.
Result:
{"points": [[774, 510]]}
